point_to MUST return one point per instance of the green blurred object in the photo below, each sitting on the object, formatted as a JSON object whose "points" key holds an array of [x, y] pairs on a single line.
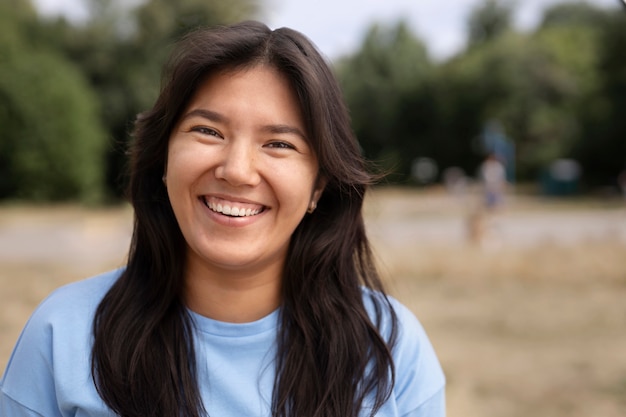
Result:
{"points": [[51, 138], [559, 92], [69, 93]]}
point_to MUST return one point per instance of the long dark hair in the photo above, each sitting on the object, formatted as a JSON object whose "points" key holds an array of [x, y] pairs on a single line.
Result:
{"points": [[330, 354]]}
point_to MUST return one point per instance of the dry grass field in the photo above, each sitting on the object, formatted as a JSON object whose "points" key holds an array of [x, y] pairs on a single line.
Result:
{"points": [[529, 320]]}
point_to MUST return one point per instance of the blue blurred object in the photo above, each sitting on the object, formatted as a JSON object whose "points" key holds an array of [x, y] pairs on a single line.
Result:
{"points": [[494, 141], [561, 178]]}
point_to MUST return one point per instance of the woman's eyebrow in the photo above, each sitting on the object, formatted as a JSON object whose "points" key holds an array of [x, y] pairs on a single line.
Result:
{"points": [[283, 129], [205, 114]]}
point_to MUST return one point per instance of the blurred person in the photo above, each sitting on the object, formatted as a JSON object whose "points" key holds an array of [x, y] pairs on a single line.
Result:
{"points": [[482, 229], [493, 179], [250, 288]]}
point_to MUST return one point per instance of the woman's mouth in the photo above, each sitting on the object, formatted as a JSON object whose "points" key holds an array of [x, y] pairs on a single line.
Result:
{"points": [[232, 208]]}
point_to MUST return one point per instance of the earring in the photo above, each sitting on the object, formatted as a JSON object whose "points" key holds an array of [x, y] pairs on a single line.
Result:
{"points": [[164, 179], [312, 207]]}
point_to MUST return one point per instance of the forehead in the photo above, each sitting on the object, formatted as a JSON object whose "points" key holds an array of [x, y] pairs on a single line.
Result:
{"points": [[260, 90]]}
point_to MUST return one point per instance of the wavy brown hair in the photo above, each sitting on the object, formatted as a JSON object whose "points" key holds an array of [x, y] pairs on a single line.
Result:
{"points": [[330, 354]]}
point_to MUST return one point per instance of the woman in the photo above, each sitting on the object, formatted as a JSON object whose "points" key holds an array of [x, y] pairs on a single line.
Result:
{"points": [[250, 288]]}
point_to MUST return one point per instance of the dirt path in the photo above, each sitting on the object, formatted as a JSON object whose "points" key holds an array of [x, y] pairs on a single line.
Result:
{"points": [[529, 321], [439, 219], [87, 237]]}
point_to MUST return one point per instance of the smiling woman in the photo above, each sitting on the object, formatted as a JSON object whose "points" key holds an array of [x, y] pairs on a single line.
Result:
{"points": [[239, 148], [250, 288]]}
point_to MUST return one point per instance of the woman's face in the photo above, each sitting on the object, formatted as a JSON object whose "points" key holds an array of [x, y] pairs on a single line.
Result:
{"points": [[240, 173]]}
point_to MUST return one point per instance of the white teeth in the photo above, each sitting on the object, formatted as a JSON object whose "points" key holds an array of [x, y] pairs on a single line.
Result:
{"points": [[232, 211]]}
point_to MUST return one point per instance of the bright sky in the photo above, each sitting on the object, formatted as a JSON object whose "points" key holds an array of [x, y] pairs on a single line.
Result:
{"points": [[337, 26]]}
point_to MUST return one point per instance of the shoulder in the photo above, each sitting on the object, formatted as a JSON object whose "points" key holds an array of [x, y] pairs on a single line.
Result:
{"points": [[383, 310], [89, 289], [53, 351], [66, 315], [419, 376], [67, 310], [73, 302]]}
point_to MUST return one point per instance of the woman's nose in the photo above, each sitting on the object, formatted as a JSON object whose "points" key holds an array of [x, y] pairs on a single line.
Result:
{"points": [[238, 165]]}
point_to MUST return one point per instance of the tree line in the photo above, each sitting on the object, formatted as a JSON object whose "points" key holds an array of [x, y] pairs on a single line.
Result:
{"points": [[69, 92], [557, 92]]}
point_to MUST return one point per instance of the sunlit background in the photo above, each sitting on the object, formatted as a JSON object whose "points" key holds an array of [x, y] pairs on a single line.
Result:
{"points": [[337, 27], [522, 295]]}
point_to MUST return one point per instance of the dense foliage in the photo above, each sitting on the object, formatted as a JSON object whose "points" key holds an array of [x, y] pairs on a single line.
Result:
{"points": [[69, 92], [554, 93], [51, 137]]}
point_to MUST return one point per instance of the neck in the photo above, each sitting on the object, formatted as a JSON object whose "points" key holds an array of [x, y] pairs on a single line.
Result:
{"points": [[233, 296]]}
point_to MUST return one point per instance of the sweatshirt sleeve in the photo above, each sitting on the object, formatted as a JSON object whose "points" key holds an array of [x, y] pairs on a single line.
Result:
{"points": [[11, 408], [28, 387], [420, 381], [49, 372], [435, 406], [419, 388]]}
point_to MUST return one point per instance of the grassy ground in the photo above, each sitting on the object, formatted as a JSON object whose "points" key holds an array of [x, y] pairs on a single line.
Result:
{"points": [[524, 322], [527, 319]]}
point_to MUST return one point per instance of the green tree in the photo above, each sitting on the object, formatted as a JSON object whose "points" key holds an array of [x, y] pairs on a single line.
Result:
{"points": [[588, 42], [488, 21], [121, 51], [537, 85], [510, 81], [602, 150], [573, 15], [51, 139], [378, 82]]}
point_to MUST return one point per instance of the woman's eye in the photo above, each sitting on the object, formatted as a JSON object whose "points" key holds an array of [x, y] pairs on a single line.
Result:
{"points": [[206, 131], [280, 145]]}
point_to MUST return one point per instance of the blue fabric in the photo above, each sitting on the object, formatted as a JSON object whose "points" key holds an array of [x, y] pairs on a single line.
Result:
{"points": [[49, 371]]}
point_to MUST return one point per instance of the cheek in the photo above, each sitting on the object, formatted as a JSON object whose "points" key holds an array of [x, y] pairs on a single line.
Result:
{"points": [[180, 171], [182, 161], [294, 182]]}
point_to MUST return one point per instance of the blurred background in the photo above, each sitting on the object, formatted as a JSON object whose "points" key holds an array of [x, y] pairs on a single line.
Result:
{"points": [[501, 222]]}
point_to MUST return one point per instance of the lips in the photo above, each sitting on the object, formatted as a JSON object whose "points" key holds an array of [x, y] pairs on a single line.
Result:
{"points": [[232, 208]]}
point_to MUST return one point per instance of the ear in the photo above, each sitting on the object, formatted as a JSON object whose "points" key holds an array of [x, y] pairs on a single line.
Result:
{"points": [[320, 185]]}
